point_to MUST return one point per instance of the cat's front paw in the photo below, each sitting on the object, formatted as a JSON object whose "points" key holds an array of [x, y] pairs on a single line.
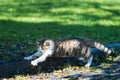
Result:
{"points": [[26, 58], [34, 63]]}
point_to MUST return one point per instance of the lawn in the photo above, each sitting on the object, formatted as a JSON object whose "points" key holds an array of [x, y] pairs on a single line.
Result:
{"points": [[24, 22], [33, 19]]}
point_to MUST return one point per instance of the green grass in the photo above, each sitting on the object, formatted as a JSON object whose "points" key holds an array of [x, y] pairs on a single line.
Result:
{"points": [[29, 20], [34, 19], [24, 22]]}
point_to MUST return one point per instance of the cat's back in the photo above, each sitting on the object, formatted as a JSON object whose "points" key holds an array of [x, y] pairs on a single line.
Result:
{"points": [[69, 42], [67, 46]]}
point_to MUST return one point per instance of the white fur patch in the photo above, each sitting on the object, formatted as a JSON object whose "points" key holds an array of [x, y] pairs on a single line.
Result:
{"points": [[38, 53], [109, 52], [42, 58], [28, 58], [106, 49], [97, 45], [34, 63], [102, 47], [89, 61]]}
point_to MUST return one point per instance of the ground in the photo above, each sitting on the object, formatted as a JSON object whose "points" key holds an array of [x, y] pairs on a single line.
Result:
{"points": [[60, 69], [22, 23]]}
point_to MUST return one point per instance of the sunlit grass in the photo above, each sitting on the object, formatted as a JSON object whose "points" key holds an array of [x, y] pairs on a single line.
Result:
{"points": [[20, 77]]}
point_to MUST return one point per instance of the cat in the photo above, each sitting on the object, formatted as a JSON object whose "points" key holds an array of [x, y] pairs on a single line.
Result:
{"points": [[74, 47]]}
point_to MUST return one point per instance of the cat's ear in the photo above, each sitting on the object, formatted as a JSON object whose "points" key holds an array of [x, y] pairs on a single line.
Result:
{"points": [[37, 42], [40, 42]]}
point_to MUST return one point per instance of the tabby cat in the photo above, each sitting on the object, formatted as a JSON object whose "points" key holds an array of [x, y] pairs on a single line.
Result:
{"points": [[74, 47]]}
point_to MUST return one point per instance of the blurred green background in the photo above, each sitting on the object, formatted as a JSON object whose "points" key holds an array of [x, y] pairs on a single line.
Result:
{"points": [[29, 20], [35, 19]]}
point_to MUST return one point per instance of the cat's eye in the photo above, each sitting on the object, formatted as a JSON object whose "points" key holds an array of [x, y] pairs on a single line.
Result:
{"points": [[47, 44]]}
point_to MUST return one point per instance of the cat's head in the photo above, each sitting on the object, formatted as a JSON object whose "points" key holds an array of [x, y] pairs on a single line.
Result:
{"points": [[46, 44]]}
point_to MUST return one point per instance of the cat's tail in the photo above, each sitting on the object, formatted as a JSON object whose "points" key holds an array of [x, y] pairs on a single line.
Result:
{"points": [[102, 48], [98, 45]]}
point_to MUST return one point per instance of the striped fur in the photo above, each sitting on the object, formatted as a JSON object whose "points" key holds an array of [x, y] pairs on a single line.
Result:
{"points": [[74, 47]]}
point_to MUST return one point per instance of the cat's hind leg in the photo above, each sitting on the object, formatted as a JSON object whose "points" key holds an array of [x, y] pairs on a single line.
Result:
{"points": [[38, 53], [89, 62]]}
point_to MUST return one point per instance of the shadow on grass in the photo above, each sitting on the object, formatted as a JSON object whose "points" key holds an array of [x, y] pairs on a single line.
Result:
{"points": [[107, 74], [12, 32], [25, 31], [23, 67], [53, 30]]}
